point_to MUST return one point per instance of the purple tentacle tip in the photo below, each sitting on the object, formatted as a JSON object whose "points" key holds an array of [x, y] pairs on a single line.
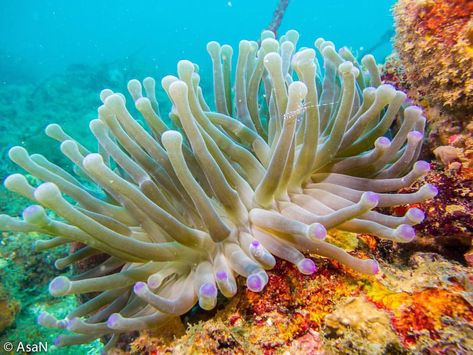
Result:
{"points": [[307, 266], [31, 211], [370, 198], [406, 232], [318, 231], [415, 135], [139, 288], [374, 267], [416, 108], [221, 276], [62, 324], [255, 244], [433, 191], [113, 320], [70, 323], [208, 290], [41, 317], [57, 283], [154, 282], [422, 166], [59, 286], [415, 215], [382, 142], [255, 283]]}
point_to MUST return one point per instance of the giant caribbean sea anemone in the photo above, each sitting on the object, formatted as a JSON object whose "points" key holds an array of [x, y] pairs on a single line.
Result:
{"points": [[182, 207]]}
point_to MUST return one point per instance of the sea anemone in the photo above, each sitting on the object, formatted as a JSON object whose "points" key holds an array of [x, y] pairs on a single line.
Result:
{"points": [[182, 207]]}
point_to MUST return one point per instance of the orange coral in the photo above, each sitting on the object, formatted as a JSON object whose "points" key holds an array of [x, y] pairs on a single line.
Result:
{"points": [[444, 20], [413, 314]]}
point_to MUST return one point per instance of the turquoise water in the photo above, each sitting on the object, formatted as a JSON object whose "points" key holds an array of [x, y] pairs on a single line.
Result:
{"points": [[56, 56], [40, 38]]}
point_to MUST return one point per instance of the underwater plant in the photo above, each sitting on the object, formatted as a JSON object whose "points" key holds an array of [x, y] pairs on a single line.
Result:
{"points": [[181, 207]]}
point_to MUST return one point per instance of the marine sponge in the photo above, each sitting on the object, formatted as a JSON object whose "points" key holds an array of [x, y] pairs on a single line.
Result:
{"points": [[435, 42], [183, 207]]}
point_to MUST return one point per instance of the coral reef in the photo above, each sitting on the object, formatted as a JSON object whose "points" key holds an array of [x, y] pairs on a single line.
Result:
{"points": [[393, 73], [424, 308], [435, 43], [448, 226], [182, 208]]}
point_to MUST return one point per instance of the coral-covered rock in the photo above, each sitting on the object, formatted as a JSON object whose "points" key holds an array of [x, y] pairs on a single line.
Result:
{"points": [[394, 73], [359, 320], [425, 308], [435, 44], [430, 303], [448, 226]]}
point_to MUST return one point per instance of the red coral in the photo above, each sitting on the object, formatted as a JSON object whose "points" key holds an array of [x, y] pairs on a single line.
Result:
{"points": [[276, 295]]}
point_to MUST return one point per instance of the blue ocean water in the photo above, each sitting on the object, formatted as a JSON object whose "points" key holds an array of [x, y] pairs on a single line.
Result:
{"points": [[40, 38]]}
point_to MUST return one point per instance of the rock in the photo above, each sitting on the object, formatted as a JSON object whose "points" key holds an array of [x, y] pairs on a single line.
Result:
{"points": [[361, 322]]}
